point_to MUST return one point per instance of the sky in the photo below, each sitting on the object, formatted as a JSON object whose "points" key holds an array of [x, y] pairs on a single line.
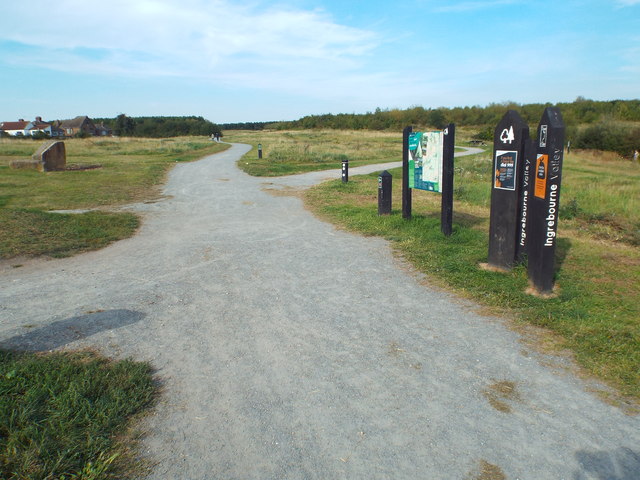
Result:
{"points": [[244, 61]]}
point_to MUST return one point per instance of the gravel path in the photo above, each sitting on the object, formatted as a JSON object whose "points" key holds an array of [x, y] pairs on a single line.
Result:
{"points": [[291, 350]]}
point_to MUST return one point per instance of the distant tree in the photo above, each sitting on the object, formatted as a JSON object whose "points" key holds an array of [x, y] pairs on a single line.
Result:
{"points": [[124, 126]]}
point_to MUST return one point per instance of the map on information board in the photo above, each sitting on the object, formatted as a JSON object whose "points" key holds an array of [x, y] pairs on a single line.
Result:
{"points": [[425, 160]]}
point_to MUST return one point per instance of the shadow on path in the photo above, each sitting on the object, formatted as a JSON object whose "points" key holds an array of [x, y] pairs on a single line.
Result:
{"points": [[621, 464], [63, 332]]}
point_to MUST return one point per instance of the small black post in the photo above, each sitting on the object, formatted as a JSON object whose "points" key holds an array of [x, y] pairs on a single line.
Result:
{"points": [[545, 201], [259, 151], [345, 171], [446, 211], [384, 193], [406, 191], [508, 143]]}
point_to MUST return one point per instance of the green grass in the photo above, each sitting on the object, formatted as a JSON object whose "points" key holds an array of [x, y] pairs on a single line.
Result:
{"points": [[34, 232], [65, 416], [132, 170], [290, 152]]}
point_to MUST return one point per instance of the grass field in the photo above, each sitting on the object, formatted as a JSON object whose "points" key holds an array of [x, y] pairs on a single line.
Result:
{"points": [[297, 151], [131, 170]]}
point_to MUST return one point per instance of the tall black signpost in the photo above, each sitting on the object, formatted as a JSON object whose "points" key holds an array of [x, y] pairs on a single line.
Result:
{"points": [[545, 200], [406, 191], [446, 213], [525, 199], [508, 151]]}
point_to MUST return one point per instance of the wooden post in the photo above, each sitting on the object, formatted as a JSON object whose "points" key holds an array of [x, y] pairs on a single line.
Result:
{"points": [[508, 146], [406, 191], [385, 185], [545, 201], [446, 209]]}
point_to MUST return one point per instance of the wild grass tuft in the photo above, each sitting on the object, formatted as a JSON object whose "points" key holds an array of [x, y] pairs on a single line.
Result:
{"points": [[61, 414]]}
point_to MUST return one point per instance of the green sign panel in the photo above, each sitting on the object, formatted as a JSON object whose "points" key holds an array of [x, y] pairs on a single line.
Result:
{"points": [[425, 160]]}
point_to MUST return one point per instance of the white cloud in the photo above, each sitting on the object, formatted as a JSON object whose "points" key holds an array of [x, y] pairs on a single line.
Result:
{"points": [[210, 39], [473, 5]]}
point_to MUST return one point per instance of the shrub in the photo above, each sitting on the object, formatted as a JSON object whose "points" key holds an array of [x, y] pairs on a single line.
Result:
{"points": [[622, 138]]}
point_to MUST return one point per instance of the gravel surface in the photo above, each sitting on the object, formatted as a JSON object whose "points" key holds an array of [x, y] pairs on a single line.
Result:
{"points": [[288, 349]]}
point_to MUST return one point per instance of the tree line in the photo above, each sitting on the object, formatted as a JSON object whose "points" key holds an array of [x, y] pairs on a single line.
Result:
{"points": [[159, 127], [604, 125]]}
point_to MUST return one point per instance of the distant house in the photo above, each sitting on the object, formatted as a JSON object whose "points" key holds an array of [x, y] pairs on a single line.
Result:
{"points": [[103, 131], [65, 128], [20, 128], [78, 125], [40, 126]]}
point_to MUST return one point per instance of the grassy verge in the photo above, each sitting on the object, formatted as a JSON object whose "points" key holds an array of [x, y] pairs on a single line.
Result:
{"points": [[299, 151], [131, 171], [596, 313], [34, 232], [64, 415]]}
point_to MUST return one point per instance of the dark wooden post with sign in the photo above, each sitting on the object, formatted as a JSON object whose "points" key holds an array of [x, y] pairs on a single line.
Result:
{"points": [[446, 210], [525, 199], [406, 191], [259, 151], [508, 146], [384, 193], [345, 171], [545, 201]]}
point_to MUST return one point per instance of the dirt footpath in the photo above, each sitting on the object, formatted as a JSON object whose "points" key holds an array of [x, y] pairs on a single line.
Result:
{"points": [[291, 350]]}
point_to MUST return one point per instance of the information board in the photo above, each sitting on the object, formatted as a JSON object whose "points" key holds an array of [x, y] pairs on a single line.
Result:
{"points": [[505, 169], [425, 160]]}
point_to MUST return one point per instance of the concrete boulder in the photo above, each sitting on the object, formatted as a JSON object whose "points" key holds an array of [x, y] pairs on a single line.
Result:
{"points": [[51, 156]]}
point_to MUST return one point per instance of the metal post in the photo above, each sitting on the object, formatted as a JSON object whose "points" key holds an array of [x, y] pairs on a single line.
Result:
{"points": [[384, 193], [406, 191]]}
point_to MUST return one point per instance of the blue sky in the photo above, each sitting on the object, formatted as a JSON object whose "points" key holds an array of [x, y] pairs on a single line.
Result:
{"points": [[231, 61]]}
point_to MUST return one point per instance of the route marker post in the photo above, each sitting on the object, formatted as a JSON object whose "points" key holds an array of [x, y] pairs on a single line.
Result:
{"points": [[345, 171], [259, 151], [545, 201], [508, 150], [406, 190], [384, 193], [446, 209], [526, 191]]}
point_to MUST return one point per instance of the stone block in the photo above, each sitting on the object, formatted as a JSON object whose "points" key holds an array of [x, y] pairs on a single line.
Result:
{"points": [[25, 164], [51, 156]]}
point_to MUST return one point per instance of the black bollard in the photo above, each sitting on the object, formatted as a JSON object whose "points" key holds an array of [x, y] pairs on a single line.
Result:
{"points": [[345, 171], [259, 151], [545, 201], [406, 189], [384, 193]]}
